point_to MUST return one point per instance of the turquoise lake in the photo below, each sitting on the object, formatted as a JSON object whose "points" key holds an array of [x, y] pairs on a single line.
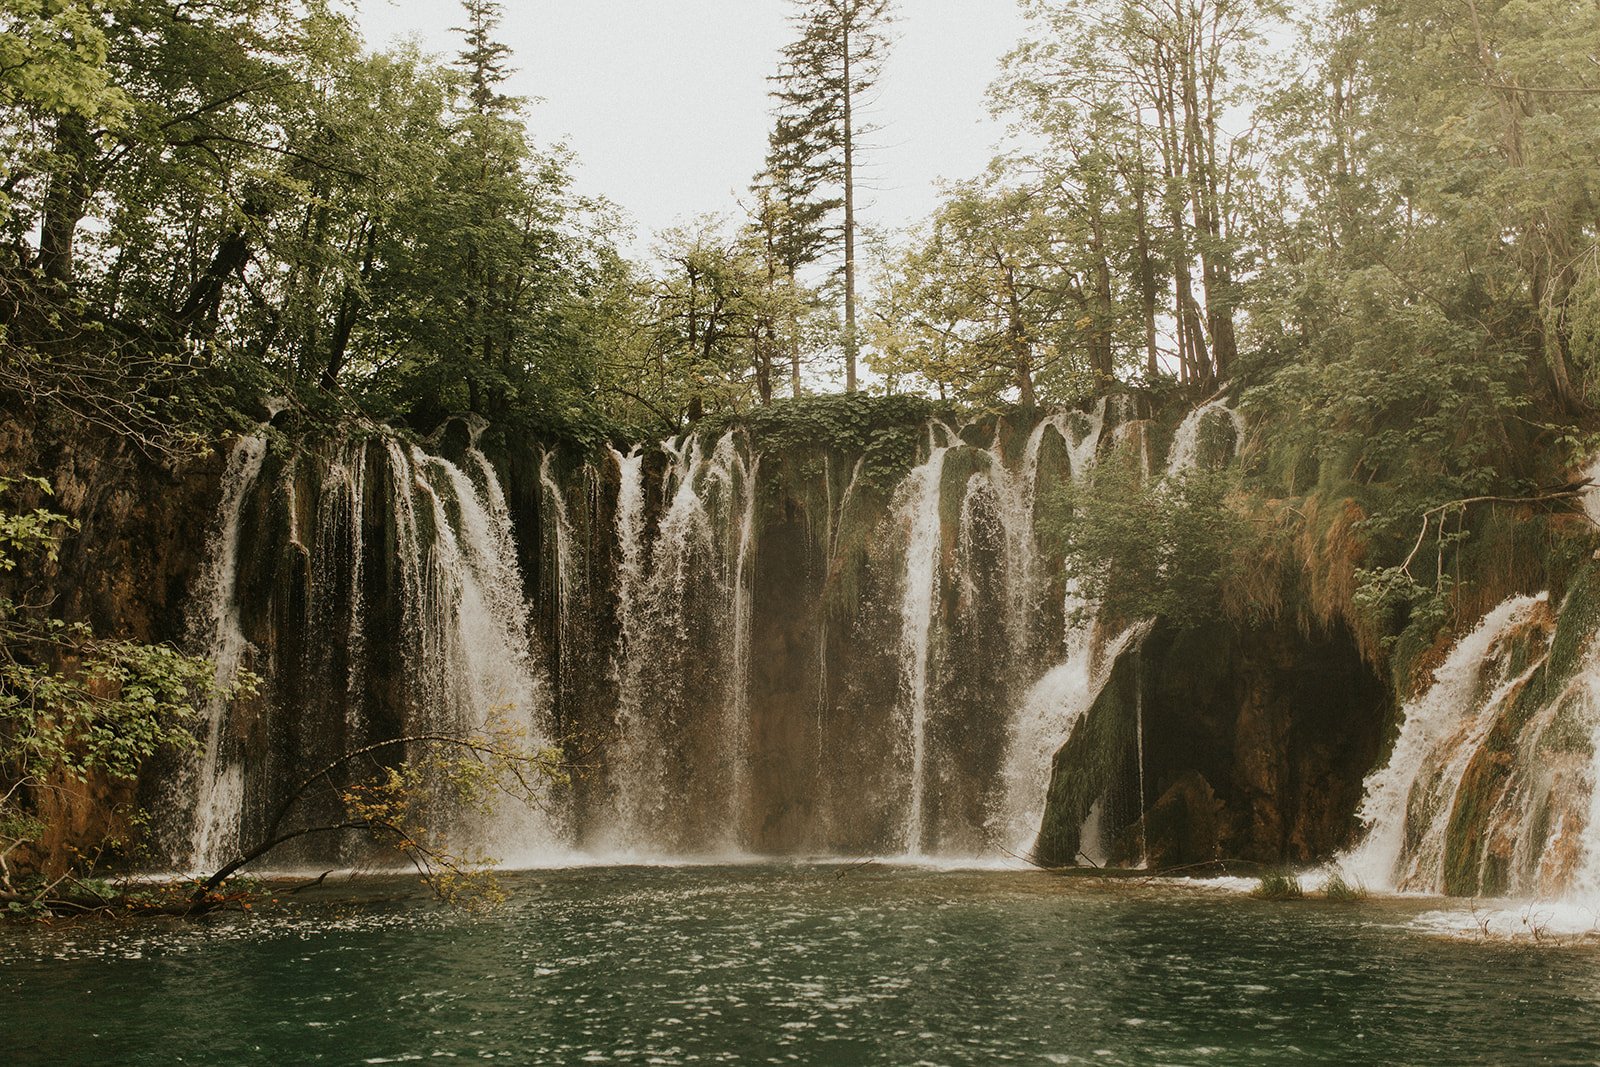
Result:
{"points": [[798, 964]]}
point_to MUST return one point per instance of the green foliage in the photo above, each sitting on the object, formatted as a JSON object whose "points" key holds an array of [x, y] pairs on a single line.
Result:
{"points": [[988, 303], [1145, 548], [885, 431], [1397, 604], [53, 59], [278, 212]]}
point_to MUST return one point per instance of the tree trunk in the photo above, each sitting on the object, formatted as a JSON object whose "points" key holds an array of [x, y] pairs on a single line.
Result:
{"points": [[66, 199], [1017, 336], [1147, 268], [344, 324], [199, 313], [794, 337], [850, 346]]}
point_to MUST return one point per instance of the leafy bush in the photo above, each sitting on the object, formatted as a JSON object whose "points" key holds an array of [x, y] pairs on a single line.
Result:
{"points": [[1146, 548], [73, 705]]}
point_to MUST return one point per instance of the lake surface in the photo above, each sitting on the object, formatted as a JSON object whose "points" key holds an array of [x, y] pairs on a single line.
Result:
{"points": [[798, 964]]}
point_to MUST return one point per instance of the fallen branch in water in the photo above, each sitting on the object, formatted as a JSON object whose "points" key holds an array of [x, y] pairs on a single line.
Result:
{"points": [[860, 864]]}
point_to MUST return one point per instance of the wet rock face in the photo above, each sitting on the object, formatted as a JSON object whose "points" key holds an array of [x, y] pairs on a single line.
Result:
{"points": [[125, 567], [1219, 744], [1184, 827], [1283, 727]]}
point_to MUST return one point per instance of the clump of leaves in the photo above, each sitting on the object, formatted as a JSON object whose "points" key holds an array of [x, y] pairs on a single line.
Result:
{"points": [[1392, 600], [413, 804]]}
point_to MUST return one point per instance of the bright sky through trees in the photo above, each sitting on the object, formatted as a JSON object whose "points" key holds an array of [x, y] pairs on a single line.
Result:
{"points": [[665, 101]]}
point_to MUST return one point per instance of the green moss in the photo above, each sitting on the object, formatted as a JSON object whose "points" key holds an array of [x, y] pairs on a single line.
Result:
{"points": [[1576, 622], [886, 431], [960, 464]]}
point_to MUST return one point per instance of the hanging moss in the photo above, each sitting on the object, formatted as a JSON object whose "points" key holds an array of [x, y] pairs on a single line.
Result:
{"points": [[886, 431], [1577, 622]]}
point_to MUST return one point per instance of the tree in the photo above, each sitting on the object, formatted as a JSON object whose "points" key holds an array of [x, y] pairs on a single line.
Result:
{"points": [[1146, 86], [1404, 146], [826, 72], [788, 226]]}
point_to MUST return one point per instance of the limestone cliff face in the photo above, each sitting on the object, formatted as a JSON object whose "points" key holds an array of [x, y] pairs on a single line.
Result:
{"points": [[140, 526], [777, 666], [1254, 745], [125, 566]]}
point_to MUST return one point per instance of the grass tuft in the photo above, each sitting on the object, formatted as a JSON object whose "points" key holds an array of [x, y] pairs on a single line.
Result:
{"points": [[1339, 891], [1279, 885]]}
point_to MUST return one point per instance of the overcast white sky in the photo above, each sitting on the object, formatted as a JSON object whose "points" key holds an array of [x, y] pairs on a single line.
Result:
{"points": [[665, 101]]}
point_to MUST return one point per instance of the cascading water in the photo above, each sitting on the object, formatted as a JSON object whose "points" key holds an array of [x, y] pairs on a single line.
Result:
{"points": [[561, 529], [919, 511], [987, 655], [470, 611], [462, 632], [218, 781], [1410, 802], [1045, 721], [683, 606], [1054, 706], [951, 663], [1185, 453]]}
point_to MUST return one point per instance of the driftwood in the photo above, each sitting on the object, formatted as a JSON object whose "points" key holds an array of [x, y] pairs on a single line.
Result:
{"points": [[1570, 492]]}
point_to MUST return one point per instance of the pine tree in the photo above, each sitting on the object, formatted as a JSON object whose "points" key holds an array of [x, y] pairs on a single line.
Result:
{"points": [[832, 65], [484, 58]]}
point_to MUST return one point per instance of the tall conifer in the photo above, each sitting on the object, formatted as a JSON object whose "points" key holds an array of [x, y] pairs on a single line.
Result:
{"points": [[825, 75]]}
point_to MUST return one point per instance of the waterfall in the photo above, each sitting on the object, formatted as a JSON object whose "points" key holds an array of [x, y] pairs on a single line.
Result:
{"points": [[683, 657], [1185, 451], [461, 634], [958, 664], [1082, 434], [471, 613], [996, 581], [214, 626], [1493, 787], [1409, 802], [562, 529], [919, 511], [737, 701], [631, 551], [1044, 722], [343, 504]]}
